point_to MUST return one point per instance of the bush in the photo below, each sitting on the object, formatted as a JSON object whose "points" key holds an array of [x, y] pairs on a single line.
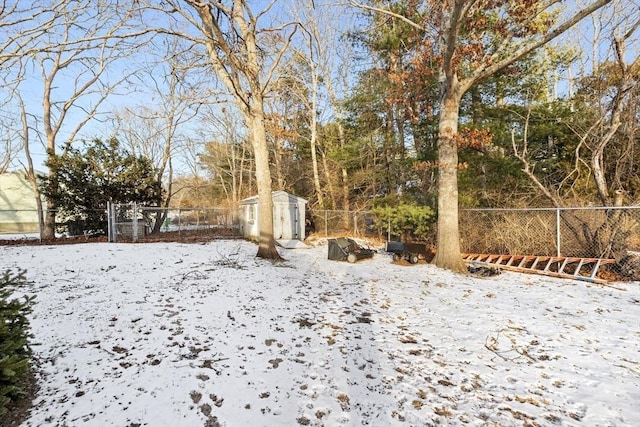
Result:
{"points": [[15, 353], [406, 220], [81, 183]]}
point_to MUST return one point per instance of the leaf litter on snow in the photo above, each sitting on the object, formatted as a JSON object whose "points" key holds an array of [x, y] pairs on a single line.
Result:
{"points": [[174, 334]]}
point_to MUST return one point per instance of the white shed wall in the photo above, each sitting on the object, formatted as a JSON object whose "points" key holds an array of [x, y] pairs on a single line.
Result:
{"points": [[288, 216]]}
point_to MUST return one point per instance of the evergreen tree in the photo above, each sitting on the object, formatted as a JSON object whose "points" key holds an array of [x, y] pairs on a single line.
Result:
{"points": [[100, 173], [15, 353]]}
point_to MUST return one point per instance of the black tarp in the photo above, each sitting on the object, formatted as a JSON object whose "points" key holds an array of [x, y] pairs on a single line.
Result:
{"points": [[338, 249], [342, 247], [395, 247], [412, 252]]}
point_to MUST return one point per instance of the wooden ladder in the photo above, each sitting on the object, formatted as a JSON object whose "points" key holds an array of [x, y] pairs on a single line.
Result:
{"points": [[585, 269]]}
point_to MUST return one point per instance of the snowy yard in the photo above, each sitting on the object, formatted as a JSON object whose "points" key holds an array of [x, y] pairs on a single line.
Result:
{"points": [[170, 334]]}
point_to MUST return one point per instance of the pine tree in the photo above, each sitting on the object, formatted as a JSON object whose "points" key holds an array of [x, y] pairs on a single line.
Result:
{"points": [[15, 353]]}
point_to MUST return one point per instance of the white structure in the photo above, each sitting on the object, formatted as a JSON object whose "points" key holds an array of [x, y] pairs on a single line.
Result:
{"points": [[288, 216], [18, 208]]}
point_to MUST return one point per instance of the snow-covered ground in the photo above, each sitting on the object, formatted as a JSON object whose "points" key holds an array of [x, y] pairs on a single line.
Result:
{"points": [[19, 236], [169, 334]]}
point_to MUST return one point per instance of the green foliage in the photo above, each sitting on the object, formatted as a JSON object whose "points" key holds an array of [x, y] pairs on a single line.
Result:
{"points": [[15, 353], [83, 181], [407, 220]]}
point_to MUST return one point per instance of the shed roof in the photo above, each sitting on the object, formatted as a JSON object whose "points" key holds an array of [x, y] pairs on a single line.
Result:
{"points": [[279, 195]]}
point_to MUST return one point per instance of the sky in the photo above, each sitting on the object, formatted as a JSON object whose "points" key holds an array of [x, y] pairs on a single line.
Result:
{"points": [[172, 334], [129, 99]]}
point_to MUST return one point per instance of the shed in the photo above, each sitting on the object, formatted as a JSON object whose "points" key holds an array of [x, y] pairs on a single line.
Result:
{"points": [[18, 208], [288, 216]]}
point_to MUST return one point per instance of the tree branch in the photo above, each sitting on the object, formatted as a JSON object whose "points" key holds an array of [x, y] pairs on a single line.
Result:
{"points": [[490, 67]]}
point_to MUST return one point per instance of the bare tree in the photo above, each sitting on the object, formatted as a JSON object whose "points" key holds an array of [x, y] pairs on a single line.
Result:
{"points": [[10, 140], [23, 25], [311, 55], [614, 95], [235, 44], [463, 62], [30, 168], [326, 63], [320, 64], [155, 129], [72, 45], [605, 149], [228, 155], [337, 83], [613, 120]]}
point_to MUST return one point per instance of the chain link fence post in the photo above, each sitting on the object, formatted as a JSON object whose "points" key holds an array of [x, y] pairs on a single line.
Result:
{"points": [[134, 220], [110, 221], [326, 224], [558, 234]]}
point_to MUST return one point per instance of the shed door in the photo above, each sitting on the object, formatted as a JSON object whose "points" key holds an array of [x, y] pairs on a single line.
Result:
{"points": [[285, 220], [278, 219]]}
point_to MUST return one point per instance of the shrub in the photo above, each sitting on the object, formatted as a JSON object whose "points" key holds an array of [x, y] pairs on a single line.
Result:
{"points": [[86, 179], [406, 220], [15, 353]]}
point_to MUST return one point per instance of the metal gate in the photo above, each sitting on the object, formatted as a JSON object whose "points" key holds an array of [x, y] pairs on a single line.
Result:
{"points": [[125, 221]]}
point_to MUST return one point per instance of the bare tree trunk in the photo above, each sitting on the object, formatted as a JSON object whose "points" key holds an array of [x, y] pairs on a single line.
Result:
{"points": [[620, 99], [230, 33], [453, 19], [49, 231], [277, 165], [314, 135], [344, 173], [30, 169], [448, 251], [346, 200], [266, 244], [162, 215], [239, 176], [236, 181], [329, 180]]}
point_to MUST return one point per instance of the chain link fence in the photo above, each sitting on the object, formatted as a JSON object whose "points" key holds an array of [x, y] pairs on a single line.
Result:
{"points": [[131, 222], [576, 232], [593, 232], [573, 232], [339, 222]]}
